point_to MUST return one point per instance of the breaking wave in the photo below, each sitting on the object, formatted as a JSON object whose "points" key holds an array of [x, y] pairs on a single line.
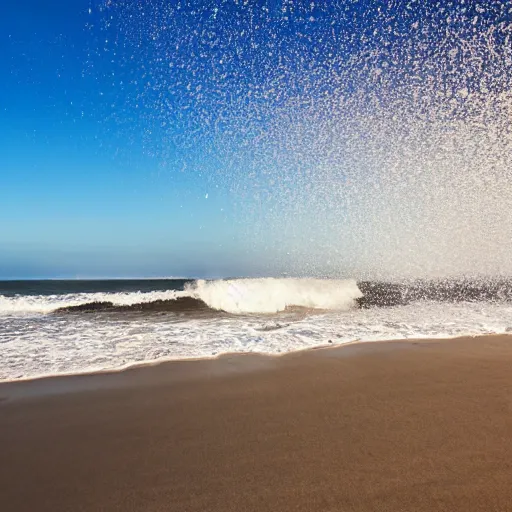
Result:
{"points": [[262, 296], [271, 295], [41, 304], [236, 296]]}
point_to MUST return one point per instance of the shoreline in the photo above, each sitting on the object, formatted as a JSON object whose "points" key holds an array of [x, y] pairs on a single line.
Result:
{"points": [[219, 364], [159, 361]]}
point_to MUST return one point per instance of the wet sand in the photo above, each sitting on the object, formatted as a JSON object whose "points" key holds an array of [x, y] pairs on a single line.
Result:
{"points": [[394, 426]]}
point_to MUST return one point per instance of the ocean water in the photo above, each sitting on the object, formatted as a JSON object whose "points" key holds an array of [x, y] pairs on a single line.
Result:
{"points": [[63, 327]]}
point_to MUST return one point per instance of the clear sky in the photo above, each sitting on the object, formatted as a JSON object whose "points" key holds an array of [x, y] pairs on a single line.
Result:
{"points": [[232, 137], [94, 96], [78, 196]]}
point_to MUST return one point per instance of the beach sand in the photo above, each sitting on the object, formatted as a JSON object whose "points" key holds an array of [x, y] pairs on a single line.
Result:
{"points": [[394, 426]]}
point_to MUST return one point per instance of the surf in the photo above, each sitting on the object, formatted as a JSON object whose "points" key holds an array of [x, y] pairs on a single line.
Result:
{"points": [[236, 296], [271, 295]]}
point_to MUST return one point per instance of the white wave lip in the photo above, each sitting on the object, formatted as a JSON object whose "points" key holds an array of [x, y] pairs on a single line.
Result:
{"points": [[271, 295], [237, 296], [41, 304]]}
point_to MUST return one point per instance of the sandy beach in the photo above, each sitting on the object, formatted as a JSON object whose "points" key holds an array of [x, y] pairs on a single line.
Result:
{"points": [[393, 426]]}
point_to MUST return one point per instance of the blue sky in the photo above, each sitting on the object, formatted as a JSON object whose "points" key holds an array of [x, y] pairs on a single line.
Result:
{"points": [[78, 197], [214, 138], [94, 97]]}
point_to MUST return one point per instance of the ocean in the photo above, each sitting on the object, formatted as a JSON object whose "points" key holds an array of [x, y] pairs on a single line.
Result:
{"points": [[69, 327]]}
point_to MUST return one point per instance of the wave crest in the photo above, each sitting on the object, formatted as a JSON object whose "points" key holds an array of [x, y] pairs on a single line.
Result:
{"points": [[236, 296], [271, 295]]}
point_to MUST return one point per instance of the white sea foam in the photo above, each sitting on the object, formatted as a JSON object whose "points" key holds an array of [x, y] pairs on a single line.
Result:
{"points": [[55, 344]]}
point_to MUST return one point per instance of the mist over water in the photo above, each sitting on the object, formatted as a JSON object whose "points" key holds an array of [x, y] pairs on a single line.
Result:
{"points": [[370, 139]]}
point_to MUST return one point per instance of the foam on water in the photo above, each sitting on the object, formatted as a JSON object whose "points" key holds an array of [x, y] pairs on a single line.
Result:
{"points": [[53, 344]]}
